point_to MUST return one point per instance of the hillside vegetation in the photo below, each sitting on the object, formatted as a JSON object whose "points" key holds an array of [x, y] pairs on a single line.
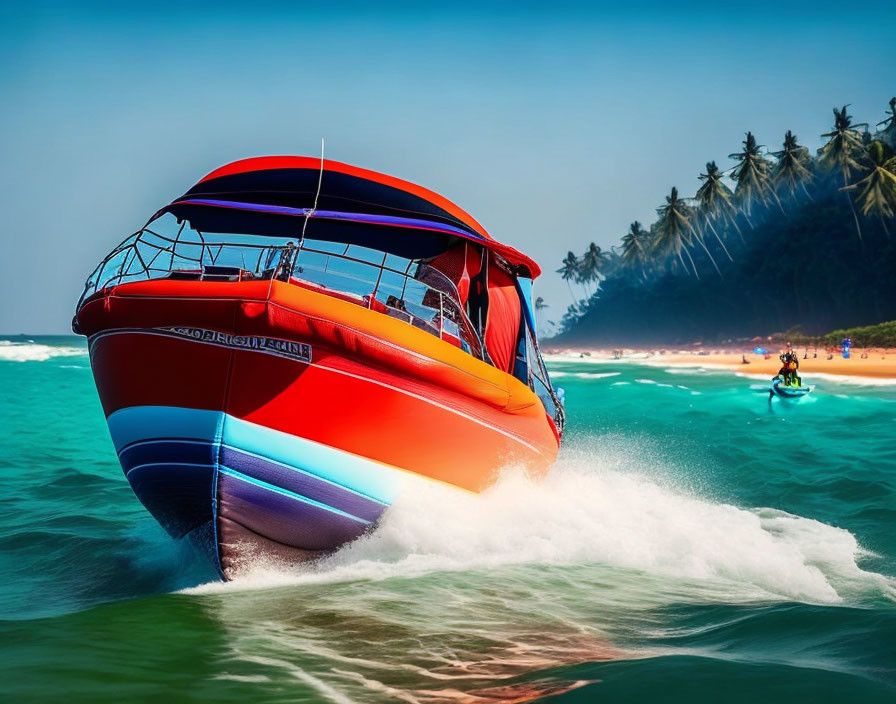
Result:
{"points": [[780, 240], [880, 335]]}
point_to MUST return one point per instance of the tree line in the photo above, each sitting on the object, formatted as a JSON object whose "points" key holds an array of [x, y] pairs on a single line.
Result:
{"points": [[748, 238]]}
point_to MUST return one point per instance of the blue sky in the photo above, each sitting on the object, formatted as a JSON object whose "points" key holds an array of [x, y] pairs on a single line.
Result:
{"points": [[553, 125]]}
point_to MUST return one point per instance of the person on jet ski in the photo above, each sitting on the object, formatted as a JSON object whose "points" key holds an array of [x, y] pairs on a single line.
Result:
{"points": [[789, 364]]}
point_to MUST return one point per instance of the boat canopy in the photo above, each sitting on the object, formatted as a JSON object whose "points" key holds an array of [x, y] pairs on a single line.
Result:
{"points": [[329, 200]]}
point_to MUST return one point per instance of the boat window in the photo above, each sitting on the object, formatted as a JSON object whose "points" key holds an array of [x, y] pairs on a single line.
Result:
{"points": [[540, 382], [407, 289]]}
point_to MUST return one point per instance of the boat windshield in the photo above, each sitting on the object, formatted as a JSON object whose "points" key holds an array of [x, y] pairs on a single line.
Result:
{"points": [[406, 289]]}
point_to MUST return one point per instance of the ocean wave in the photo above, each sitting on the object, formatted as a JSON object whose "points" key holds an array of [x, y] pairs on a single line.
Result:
{"points": [[35, 352], [759, 377], [847, 379], [583, 375], [590, 359]]}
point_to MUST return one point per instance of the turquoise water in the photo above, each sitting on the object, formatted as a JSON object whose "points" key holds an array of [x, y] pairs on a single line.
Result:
{"points": [[694, 542]]}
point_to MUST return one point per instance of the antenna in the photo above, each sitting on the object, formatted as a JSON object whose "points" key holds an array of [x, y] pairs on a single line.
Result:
{"points": [[289, 252], [320, 179]]}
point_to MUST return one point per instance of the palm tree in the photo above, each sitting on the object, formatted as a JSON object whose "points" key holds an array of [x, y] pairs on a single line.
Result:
{"points": [[591, 263], [634, 247], [877, 191], [793, 168], [843, 151], [612, 264], [540, 305], [714, 198], [674, 229], [888, 133], [570, 271], [751, 174]]}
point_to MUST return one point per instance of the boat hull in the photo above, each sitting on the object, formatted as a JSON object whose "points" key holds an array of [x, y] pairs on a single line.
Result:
{"points": [[264, 419], [238, 489]]}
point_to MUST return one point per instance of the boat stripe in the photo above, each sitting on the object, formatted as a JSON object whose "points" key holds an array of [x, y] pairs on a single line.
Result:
{"points": [[185, 441], [432, 403], [227, 471], [211, 444], [163, 333], [306, 472], [365, 475], [210, 465]]}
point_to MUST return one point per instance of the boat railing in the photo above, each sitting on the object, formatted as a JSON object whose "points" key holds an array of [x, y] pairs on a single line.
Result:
{"points": [[405, 289]]}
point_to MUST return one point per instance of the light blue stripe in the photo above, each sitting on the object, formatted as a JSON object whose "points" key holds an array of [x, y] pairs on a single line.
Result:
{"points": [[293, 468], [141, 423], [284, 492], [356, 473], [153, 441], [211, 445], [210, 465], [137, 423]]}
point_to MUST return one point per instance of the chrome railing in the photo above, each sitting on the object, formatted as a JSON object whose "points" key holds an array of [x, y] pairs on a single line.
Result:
{"points": [[409, 290]]}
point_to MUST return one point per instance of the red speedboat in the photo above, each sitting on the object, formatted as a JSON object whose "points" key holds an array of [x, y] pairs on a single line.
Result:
{"points": [[287, 346]]}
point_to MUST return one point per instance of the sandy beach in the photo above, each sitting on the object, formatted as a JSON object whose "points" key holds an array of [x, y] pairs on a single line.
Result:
{"points": [[871, 363]]}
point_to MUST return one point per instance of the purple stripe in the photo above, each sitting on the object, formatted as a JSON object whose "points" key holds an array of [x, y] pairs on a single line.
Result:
{"points": [[388, 220], [282, 518], [299, 482]]}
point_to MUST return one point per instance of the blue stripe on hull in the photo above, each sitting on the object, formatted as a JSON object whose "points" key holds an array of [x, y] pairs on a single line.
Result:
{"points": [[139, 423], [149, 451], [189, 452], [190, 467]]}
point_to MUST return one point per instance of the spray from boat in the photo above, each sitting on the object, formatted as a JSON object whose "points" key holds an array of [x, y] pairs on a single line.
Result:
{"points": [[624, 510]]}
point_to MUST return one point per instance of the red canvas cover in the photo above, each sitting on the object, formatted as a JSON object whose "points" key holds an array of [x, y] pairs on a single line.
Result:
{"points": [[503, 322], [460, 264]]}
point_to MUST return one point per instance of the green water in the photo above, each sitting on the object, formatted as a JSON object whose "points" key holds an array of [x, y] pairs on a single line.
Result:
{"points": [[695, 542]]}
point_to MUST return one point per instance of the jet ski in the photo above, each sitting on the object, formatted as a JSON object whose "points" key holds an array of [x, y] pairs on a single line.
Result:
{"points": [[785, 390]]}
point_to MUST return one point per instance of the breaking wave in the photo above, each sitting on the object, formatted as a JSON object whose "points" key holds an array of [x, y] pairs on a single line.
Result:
{"points": [[583, 375], [35, 352]]}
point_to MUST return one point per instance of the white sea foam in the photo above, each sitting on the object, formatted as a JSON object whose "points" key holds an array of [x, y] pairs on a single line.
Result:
{"points": [[846, 379], [583, 375], [591, 359], [761, 377], [699, 368], [616, 510], [34, 352], [835, 378]]}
